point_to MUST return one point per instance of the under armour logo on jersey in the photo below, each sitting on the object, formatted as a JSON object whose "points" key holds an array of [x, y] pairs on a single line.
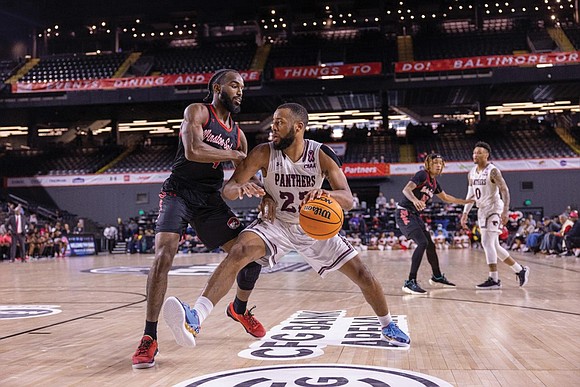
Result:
{"points": [[278, 164]]}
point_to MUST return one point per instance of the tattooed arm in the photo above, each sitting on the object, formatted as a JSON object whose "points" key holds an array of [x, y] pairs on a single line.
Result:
{"points": [[497, 179]]}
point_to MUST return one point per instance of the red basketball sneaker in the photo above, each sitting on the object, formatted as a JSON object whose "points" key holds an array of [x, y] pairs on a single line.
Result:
{"points": [[248, 321], [144, 356]]}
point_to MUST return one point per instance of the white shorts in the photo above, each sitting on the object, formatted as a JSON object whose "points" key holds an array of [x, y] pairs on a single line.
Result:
{"points": [[281, 238], [490, 220]]}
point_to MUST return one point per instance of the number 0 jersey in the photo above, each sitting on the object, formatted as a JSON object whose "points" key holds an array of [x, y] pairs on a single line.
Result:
{"points": [[486, 193], [288, 182]]}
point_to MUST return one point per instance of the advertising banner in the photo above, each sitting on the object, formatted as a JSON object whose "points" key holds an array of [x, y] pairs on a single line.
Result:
{"points": [[489, 61], [313, 72], [126, 83]]}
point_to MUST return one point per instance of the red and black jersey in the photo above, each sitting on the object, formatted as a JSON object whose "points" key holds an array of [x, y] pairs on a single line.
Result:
{"points": [[427, 186], [206, 177]]}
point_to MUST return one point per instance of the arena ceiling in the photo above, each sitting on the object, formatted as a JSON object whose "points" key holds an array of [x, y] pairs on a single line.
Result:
{"points": [[421, 100]]}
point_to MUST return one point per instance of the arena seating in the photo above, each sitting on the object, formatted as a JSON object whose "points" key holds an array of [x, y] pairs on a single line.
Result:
{"points": [[57, 161], [74, 67], [506, 142], [154, 158], [434, 45], [373, 147], [7, 68], [341, 46], [203, 59]]}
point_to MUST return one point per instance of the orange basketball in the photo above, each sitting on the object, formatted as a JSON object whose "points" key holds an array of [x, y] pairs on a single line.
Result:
{"points": [[321, 218]]}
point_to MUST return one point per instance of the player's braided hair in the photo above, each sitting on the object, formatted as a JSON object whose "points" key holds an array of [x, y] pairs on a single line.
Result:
{"points": [[216, 78], [429, 160]]}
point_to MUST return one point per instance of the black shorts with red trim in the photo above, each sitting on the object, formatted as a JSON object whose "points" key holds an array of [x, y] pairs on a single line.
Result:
{"points": [[213, 220]]}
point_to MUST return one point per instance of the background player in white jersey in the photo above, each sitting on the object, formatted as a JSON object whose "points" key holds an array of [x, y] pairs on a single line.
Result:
{"points": [[293, 170], [492, 198]]}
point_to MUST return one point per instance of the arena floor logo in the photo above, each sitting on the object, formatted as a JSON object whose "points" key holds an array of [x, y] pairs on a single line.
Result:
{"points": [[306, 333], [194, 270], [10, 312], [319, 375]]}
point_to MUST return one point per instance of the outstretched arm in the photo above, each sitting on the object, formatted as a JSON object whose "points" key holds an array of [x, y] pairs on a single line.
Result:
{"points": [[452, 199], [468, 206], [497, 178], [191, 132], [240, 184]]}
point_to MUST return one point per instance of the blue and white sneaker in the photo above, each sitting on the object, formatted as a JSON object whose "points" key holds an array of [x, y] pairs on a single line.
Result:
{"points": [[182, 320], [395, 336]]}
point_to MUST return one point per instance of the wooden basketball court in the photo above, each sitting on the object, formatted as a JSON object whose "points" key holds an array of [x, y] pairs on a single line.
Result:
{"points": [[513, 337]]}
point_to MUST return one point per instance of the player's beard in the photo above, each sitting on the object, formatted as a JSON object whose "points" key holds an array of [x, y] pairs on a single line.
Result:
{"points": [[229, 103], [285, 142]]}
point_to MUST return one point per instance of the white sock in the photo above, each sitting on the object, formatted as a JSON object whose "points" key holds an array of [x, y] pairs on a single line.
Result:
{"points": [[494, 275], [385, 320], [203, 306], [516, 267]]}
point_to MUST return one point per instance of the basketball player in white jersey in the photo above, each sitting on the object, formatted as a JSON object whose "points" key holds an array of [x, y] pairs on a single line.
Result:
{"points": [[492, 197], [293, 170]]}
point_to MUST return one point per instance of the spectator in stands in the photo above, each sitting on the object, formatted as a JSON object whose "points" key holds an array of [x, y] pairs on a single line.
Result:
{"points": [[382, 159], [137, 243], [373, 242], [354, 223], [555, 239], [5, 242], [80, 227], [416, 193], [440, 240], [355, 201], [356, 241], [572, 237], [532, 220], [393, 242], [392, 204], [381, 201], [444, 232], [18, 224], [191, 194], [553, 228], [382, 242], [534, 239], [475, 236], [32, 219], [516, 240]]}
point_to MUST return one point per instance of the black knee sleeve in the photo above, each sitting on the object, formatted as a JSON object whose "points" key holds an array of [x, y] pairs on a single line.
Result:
{"points": [[248, 276]]}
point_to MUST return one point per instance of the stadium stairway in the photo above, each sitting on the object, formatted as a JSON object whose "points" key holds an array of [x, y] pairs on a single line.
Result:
{"points": [[407, 153], [120, 248], [23, 70], [405, 48], [131, 59], [559, 36], [260, 58]]}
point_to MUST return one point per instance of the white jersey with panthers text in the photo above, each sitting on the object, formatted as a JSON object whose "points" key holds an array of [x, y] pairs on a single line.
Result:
{"points": [[288, 182], [487, 197]]}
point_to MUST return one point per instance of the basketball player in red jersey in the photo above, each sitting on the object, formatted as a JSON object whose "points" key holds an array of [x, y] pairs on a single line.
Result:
{"points": [[293, 170], [191, 194]]}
